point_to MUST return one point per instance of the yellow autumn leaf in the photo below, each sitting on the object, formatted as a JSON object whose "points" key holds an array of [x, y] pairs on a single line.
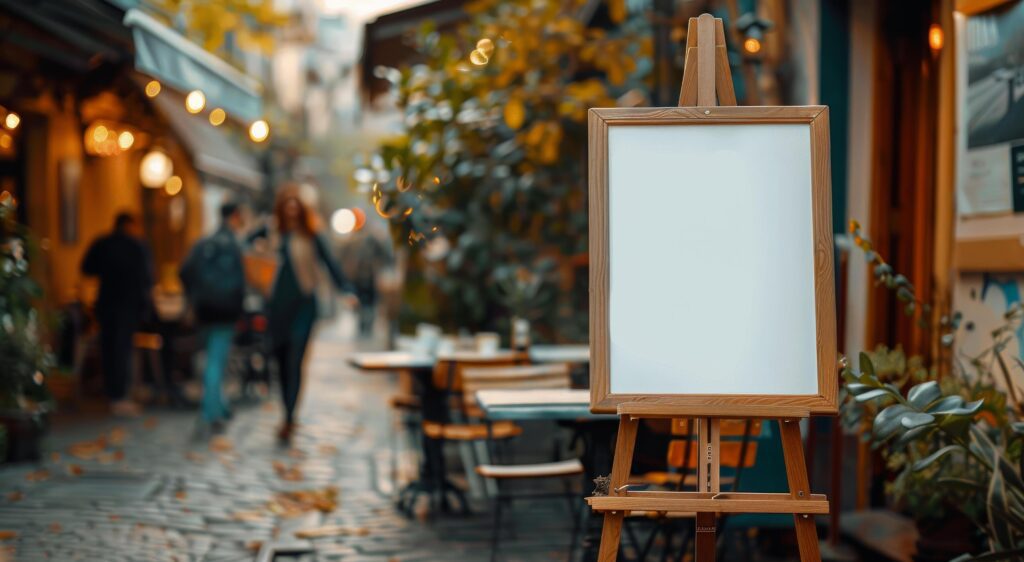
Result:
{"points": [[515, 113]]}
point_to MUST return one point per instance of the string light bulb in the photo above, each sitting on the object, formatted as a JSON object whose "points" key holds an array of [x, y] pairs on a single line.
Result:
{"points": [[259, 130], [125, 140], [153, 88], [155, 169], [217, 117], [12, 120], [195, 101], [173, 185]]}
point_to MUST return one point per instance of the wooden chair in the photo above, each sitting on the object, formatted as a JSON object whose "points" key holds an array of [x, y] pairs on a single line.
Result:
{"points": [[738, 451], [455, 424], [552, 377]]}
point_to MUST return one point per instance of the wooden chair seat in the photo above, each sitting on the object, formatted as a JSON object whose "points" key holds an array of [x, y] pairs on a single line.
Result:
{"points": [[662, 478], [538, 470], [470, 431], [404, 402]]}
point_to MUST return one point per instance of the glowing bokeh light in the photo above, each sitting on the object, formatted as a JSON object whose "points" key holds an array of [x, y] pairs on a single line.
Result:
{"points": [[173, 185], [125, 140], [152, 88], [217, 116], [343, 221], [195, 101], [936, 38], [12, 120], [155, 169], [259, 130]]}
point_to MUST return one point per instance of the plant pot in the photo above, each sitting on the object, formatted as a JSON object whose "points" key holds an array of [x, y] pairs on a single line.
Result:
{"points": [[520, 339], [23, 435], [940, 540], [63, 387]]}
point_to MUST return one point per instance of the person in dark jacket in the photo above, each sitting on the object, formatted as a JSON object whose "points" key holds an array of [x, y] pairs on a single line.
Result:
{"points": [[122, 263], [214, 279], [302, 254]]}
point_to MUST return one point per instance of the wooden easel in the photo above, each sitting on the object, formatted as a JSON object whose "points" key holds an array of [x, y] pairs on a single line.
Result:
{"points": [[708, 82]]}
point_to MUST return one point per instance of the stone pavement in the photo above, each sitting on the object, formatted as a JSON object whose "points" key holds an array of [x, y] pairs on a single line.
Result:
{"points": [[146, 489]]}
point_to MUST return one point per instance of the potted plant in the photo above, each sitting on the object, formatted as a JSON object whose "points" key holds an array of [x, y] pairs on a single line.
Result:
{"points": [[954, 442], [24, 357], [526, 295]]}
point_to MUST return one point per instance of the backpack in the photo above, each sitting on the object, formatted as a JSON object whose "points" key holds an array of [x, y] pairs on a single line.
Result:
{"points": [[214, 278]]}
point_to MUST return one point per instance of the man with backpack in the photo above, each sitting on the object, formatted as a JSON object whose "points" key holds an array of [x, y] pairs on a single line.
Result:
{"points": [[214, 279]]}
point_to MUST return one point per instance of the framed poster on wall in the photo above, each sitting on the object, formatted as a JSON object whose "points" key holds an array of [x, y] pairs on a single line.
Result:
{"points": [[991, 75], [69, 171]]}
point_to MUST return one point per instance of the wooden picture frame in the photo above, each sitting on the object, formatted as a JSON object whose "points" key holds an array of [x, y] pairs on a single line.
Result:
{"points": [[603, 400]]}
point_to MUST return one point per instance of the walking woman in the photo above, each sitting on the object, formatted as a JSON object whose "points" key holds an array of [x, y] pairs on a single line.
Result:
{"points": [[302, 255]]}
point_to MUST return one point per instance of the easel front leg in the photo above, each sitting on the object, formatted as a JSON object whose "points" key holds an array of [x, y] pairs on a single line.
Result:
{"points": [[708, 471], [621, 464], [799, 489]]}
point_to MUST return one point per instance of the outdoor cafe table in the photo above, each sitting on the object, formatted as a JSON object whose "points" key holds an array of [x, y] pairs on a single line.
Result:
{"points": [[562, 405], [432, 400], [567, 405]]}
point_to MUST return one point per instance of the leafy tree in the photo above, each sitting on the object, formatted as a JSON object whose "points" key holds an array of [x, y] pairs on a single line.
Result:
{"points": [[487, 181], [24, 357], [251, 23]]}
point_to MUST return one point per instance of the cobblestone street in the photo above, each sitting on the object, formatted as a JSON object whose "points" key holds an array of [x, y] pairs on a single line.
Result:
{"points": [[146, 489]]}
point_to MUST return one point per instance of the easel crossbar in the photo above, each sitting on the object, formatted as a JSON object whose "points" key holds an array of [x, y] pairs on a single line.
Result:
{"points": [[738, 502]]}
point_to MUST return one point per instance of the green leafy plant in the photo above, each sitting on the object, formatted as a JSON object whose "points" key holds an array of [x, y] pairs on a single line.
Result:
{"points": [[953, 439], [492, 154], [24, 356]]}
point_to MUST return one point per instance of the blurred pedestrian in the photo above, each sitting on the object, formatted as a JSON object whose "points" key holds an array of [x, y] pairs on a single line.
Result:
{"points": [[122, 263], [364, 255], [302, 255], [214, 281]]}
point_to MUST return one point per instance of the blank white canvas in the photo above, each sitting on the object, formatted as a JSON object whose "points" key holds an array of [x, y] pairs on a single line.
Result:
{"points": [[711, 260]]}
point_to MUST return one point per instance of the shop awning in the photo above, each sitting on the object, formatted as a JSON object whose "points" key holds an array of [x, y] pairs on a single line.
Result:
{"points": [[177, 62], [215, 154]]}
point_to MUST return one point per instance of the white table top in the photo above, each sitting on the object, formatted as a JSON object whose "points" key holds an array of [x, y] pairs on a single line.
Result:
{"points": [[394, 360], [539, 404], [560, 353]]}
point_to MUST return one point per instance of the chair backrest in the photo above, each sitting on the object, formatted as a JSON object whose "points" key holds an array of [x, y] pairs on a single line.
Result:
{"points": [[448, 370], [551, 377], [737, 446]]}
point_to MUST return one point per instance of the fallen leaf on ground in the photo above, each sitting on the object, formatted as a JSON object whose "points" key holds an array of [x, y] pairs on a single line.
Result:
{"points": [[194, 456], [289, 473], [291, 504], [55, 527], [75, 470], [327, 449], [296, 454], [254, 545], [16, 496], [38, 475], [221, 444], [248, 516], [149, 423], [8, 535], [180, 495], [115, 517], [267, 406], [332, 531], [55, 457], [88, 450], [117, 436]]}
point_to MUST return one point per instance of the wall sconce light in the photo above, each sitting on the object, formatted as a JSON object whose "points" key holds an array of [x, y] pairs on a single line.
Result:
{"points": [[753, 30], [936, 37]]}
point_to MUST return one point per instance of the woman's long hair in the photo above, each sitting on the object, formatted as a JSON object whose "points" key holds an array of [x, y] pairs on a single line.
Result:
{"points": [[309, 223]]}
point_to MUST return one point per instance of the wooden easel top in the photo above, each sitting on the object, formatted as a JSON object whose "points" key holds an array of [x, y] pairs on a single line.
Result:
{"points": [[707, 80]]}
